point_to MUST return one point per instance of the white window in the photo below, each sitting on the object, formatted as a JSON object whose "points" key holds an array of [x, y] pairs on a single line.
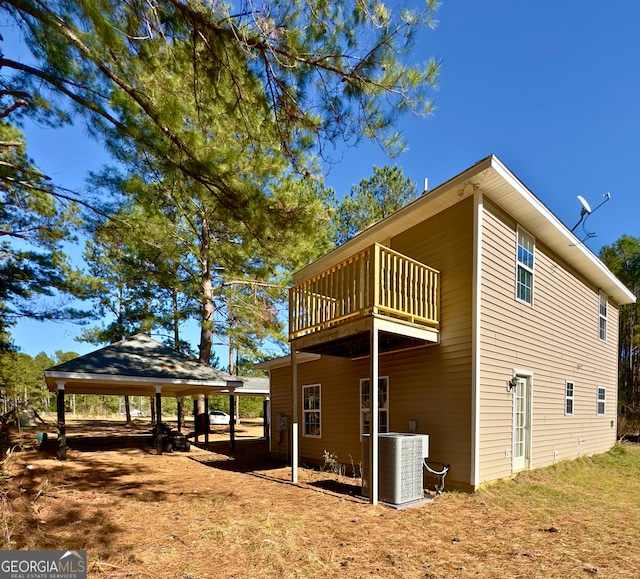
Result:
{"points": [[524, 275], [365, 405], [602, 400], [568, 398], [603, 317], [311, 411]]}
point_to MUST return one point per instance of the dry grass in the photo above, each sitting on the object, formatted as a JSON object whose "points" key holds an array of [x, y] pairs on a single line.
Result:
{"points": [[208, 514]]}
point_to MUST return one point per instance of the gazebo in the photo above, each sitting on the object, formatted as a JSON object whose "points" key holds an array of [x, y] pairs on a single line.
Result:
{"points": [[137, 366]]}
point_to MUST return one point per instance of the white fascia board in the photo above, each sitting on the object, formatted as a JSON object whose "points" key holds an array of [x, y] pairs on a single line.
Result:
{"points": [[234, 383], [420, 333], [69, 376], [285, 361], [247, 392]]}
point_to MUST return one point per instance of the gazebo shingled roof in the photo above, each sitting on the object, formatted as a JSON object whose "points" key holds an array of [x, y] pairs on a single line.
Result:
{"points": [[137, 366]]}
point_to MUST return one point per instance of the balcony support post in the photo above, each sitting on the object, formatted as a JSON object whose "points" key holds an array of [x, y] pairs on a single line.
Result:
{"points": [[294, 421], [374, 420]]}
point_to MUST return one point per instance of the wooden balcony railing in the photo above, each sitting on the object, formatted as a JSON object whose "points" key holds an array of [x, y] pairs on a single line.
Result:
{"points": [[376, 280]]}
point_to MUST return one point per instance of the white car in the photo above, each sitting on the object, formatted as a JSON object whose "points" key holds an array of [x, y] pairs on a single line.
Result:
{"points": [[219, 417], [136, 412]]}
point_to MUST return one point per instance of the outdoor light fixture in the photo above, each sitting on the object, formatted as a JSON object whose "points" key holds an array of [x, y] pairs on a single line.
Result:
{"points": [[511, 384]]}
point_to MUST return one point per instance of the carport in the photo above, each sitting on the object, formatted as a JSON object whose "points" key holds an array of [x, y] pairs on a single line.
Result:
{"points": [[137, 366]]}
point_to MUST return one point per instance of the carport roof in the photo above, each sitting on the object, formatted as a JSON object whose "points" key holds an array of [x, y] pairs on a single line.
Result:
{"points": [[136, 367]]}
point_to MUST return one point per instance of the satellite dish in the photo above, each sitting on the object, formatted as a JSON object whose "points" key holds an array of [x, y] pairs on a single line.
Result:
{"points": [[585, 206], [586, 211]]}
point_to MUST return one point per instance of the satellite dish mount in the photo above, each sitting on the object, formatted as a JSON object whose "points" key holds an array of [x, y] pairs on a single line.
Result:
{"points": [[586, 211]]}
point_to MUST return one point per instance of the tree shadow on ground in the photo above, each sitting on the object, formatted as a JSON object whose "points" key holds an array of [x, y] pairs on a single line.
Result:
{"points": [[247, 456], [143, 442], [338, 487], [252, 457], [70, 505]]}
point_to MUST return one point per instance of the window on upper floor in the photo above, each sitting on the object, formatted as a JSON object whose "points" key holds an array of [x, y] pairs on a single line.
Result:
{"points": [[604, 304], [568, 398], [524, 275], [602, 400], [311, 411]]}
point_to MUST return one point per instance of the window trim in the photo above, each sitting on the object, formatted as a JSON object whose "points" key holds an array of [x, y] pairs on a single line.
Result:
{"points": [[380, 408], [602, 401], [306, 411], [603, 317], [521, 231], [569, 398]]}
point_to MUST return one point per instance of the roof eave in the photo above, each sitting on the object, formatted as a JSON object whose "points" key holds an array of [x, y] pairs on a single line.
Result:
{"points": [[284, 361], [564, 242]]}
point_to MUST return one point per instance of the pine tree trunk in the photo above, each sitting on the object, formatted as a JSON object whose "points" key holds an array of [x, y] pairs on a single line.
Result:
{"points": [[207, 308], [176, 319]]}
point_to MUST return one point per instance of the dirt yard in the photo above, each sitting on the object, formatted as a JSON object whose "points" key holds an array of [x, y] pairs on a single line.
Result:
{"points": [[210, 513]]}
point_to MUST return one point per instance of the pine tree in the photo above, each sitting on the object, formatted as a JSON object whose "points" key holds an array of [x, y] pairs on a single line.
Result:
{"points": [[373, 199], [173, 243], [294, 76], [33, 224], [214, 108], [623, 259]]}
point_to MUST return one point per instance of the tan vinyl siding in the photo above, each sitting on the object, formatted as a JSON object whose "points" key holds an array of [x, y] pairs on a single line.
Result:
{"points": [[340, 401], [555, 340], [445, 242], [417, 391], [340, 408], [431, 384], [280, 386]]}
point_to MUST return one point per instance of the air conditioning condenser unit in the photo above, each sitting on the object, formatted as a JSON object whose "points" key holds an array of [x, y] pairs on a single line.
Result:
{"points": [[400, 464]]}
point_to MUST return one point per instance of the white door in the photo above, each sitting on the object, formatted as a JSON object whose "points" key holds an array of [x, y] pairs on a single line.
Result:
{"points": [[520, 424]]}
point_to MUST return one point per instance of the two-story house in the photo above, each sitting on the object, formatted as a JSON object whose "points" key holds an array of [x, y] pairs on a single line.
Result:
{"points": [[484, 321]]}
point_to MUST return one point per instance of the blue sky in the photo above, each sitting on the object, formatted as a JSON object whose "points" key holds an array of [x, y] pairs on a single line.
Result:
{"points": [[551, 88]]}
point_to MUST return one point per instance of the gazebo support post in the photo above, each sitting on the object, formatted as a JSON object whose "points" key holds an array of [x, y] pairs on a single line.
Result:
{"points": [[205, 420], [266, 413], [158, 420], [62, 429], [232, 421], [180, 412], [196, 424]]}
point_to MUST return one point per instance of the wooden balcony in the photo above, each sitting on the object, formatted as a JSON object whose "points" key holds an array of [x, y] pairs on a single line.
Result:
{"points": [[376, 282]]}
